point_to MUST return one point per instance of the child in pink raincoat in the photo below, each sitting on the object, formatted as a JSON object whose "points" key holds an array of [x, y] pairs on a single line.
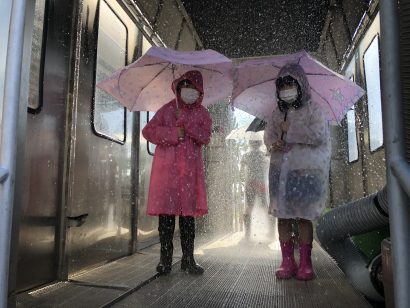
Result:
{"points": [[177, 186]]}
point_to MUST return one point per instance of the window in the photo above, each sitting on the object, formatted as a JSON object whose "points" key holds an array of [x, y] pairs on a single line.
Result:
{"points": [[352, 133], [37, 59], [372, 77], [108, 114], [352, 136]]}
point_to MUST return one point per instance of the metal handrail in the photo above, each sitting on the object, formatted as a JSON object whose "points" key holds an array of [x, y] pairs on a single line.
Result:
{"points": [[4, 173], [401, 170], [8, 140], [393, 128]]}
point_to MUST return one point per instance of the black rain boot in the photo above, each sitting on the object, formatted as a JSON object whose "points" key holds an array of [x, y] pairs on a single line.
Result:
{"points": [[166, 229], [187, 228], [247, 223]]}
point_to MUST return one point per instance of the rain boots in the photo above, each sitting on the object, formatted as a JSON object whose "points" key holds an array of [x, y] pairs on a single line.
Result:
{"points": [[247, 224], [305, 269], [166, 229], [288, 267], [187, 229]]}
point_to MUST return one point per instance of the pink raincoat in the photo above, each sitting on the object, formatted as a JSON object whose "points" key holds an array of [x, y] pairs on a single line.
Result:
{"points": [[177, 185]]}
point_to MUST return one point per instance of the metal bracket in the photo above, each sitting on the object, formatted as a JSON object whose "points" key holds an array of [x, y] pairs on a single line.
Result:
{"points": [[76, 221], [4, 174]]}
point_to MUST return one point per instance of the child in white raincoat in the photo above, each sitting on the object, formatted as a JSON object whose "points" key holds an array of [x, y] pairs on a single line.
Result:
{"points": [[297, 136]]}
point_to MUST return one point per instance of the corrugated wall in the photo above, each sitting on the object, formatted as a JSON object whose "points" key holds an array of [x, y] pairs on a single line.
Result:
{"points": [[405, 69], [170, 21]]}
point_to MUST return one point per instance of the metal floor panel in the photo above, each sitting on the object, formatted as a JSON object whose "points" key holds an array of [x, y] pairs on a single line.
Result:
{"points": [[240, 273], [99, 286]]}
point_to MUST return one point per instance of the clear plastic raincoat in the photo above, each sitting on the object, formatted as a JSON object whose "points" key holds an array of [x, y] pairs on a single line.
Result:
{"points": [[299, 175]]}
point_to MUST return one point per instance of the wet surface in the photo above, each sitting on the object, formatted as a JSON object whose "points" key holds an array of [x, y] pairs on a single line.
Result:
{"points": [[239, 272]]}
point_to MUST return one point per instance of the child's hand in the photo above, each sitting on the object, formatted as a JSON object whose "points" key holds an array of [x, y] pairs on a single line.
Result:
{"points": [[278, 146], [284, 126]]}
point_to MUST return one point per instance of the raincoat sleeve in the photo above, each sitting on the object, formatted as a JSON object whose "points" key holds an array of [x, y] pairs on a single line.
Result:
{"points": [[311, 131], [198, 128], [156, 133]]}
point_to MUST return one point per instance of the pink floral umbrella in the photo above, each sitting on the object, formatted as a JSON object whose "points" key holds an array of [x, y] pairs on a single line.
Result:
{"points": [[255, 88], [145, 85]]}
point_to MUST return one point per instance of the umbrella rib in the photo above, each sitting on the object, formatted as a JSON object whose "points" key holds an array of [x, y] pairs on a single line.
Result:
{"points": [[325, 101], [257, 84], [159, 73], [163, 69], [151, 64], [329, 75]]}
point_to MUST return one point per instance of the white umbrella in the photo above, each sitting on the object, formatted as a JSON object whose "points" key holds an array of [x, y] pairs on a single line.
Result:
{"points": [[241, 134]]}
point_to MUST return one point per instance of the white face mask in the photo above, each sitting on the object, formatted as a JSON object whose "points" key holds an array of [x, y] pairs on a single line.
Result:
{"points": [[289, 96], [189, 96]]}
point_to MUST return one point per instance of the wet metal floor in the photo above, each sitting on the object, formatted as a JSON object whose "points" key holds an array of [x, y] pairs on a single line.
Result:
{"points": [[238, 273], [241, 274]]}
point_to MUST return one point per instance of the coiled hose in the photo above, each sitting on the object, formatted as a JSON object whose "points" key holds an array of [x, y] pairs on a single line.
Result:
{"points": [[334, 231]]}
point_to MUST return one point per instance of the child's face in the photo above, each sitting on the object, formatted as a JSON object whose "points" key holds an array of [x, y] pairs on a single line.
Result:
{"points": [[288, 86], [188, 86]]}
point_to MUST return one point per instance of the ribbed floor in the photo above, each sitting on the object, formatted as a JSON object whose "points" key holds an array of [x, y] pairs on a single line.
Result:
{"points": [[240, 273], [99, 286]]}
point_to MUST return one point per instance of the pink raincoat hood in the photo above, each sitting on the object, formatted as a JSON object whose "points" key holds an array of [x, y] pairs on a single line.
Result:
{"points": [[195, 77]]}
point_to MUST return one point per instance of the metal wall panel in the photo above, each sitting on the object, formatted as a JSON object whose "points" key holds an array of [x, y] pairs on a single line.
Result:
{"points": [[5, 8], [101, 169], [44, 156]]}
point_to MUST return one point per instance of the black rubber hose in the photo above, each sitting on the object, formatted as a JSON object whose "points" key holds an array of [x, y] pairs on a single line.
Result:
{"points": [[334, 231]]}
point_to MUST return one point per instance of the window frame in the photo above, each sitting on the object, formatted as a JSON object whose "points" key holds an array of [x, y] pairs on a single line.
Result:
{"points": [[148, 143], [93, 104], [352, 78], [357, 139], [40, 79]]}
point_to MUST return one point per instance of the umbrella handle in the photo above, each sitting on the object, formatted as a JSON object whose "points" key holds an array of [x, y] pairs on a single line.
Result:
{"points": [[283, 133], [176, 100]]}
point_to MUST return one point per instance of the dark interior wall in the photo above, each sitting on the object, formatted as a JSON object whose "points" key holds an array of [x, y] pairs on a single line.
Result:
{"points": [[170, 21], [342, 20], [257, 28]]}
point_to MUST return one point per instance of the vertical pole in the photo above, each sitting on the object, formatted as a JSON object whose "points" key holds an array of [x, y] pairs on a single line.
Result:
{"points": [[399, 205], [8, 141]]}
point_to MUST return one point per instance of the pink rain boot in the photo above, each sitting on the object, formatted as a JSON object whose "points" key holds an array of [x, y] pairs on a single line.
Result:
{"points": [[305, 270], [288, 267]]}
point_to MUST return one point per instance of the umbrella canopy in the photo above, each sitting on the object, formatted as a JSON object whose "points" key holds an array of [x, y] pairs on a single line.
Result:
{"points": [[241, 133], [145, 85], [255, 86]]}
